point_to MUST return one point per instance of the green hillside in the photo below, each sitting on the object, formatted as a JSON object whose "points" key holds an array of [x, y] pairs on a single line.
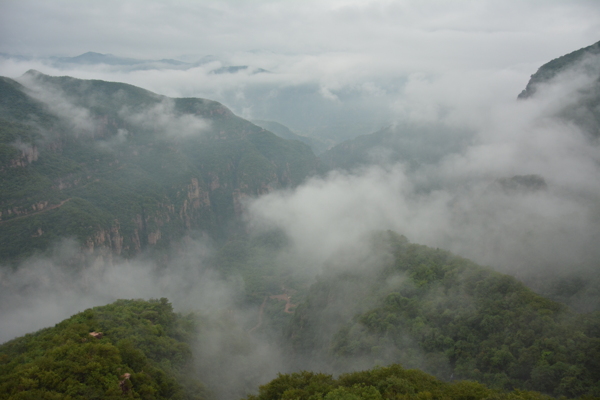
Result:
{"points": [[122, 169], [428, 309], [393, 382], [141, 351]]}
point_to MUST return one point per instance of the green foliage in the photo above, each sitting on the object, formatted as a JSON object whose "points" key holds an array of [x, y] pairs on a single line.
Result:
{"points": [[393, 382], [142, 338], [432, 310]]}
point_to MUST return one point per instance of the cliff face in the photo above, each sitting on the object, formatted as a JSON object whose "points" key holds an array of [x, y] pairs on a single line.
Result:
{"points": [[120, 169]]}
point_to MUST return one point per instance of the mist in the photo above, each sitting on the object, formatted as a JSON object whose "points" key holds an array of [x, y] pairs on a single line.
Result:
{"points": [[462, 202], [49, 288]]}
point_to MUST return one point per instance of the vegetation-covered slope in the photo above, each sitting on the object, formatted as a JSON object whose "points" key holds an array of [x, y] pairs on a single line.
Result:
{"points": [[128, 349], [409, 144], [581, 107], [552, 68], [428, 309], [316, 144], [120, 168], [391, 382]]}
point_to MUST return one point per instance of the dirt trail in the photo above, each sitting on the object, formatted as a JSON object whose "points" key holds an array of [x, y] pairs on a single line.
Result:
{"points": [[38, 212]]}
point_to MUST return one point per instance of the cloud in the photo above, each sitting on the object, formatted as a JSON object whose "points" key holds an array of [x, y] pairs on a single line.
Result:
{"points": [[459, 202], [78, 119], [47, 289], [163, 118]]}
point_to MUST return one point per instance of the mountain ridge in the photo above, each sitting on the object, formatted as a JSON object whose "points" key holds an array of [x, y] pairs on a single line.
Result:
{"points": [[177, 164]]}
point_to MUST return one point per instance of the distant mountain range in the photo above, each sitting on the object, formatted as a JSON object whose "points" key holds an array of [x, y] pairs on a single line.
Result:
{"points": [[92, 58]]}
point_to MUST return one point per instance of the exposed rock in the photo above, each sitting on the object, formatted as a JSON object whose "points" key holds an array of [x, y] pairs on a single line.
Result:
{"points": [[154, 237], [123, 383]]}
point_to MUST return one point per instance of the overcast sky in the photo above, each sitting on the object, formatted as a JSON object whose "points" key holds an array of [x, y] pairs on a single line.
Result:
{"points": [[497, 33]]}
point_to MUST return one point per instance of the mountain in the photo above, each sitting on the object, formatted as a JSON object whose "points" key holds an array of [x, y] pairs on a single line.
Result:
{"points": [[581, 107], [317, 145], [415, 145], [429, 309], [93, 58], [131, 348], [557, 66], [232, 69], [109, 59], [122, 169]]}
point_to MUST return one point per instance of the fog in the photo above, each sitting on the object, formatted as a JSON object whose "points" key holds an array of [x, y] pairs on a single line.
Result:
{"points": [[458, 203]]}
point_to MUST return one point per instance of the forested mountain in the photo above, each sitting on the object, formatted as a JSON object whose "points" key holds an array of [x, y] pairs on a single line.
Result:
{"points": [[317, 145], [131, 348], [120, 168], [410, 144], [581, 107], [403, 303], [426, 308], [557, 66]]}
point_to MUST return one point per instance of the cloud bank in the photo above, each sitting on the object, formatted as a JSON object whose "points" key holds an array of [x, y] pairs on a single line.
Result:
{"points": [[464, 202]]}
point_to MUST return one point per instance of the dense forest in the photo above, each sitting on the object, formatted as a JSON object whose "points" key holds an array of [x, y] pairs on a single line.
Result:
{"points": [[392, 382], [92, 162], [131, 348]]}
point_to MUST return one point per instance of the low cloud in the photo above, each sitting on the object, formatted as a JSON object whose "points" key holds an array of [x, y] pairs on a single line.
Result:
{"points": [[44, 290], [163, 118], [459, 202]]}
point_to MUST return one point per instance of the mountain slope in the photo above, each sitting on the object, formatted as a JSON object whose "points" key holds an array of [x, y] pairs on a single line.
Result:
{"points": [[393, 382], [559, 65], [131, 348], [317, 145], [581, 103], [428, 309], [120, 168], [405, 143]]}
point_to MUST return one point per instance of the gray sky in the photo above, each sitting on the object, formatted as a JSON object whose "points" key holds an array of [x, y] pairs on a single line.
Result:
{"points": [[409, 34]]}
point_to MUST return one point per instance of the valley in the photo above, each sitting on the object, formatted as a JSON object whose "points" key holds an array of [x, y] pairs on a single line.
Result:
{"points": [[216, 254]]}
